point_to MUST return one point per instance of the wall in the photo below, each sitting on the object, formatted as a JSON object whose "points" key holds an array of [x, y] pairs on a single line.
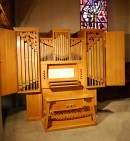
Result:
{"points": [[129, 34], [48, 14], [118, 20], [118, 17], [129, 17]]}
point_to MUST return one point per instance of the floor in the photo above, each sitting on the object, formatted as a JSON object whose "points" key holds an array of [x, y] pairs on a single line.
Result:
{"points": [[113, 124]]}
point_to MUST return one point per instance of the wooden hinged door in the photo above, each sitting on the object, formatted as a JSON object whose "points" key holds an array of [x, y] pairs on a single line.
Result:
{"points": [[115, 59], [8, 68]]}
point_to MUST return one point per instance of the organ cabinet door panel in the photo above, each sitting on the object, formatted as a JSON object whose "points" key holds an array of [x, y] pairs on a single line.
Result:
{"points": [[8, 68], [115, 59]]}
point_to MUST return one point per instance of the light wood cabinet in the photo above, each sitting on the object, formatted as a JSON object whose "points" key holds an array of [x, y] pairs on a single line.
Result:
{"points": [[34, 106]]}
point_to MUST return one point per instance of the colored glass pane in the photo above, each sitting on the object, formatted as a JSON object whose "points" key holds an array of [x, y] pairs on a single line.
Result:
{"points": [[93, 14]]}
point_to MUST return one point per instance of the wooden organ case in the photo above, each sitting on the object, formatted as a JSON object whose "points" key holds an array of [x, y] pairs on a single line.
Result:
{"points": [[28, 69], [28, 59], [65, 104], [61, 78], [71, 71]]}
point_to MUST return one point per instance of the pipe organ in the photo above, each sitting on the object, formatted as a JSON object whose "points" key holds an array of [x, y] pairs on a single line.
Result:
{"points": [[95, 59], [65, 105], [60, 73], [28, 59], [72, 68]]}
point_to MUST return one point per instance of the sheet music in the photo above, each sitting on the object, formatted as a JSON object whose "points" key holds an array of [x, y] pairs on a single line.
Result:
{"points": [[61, 73]]}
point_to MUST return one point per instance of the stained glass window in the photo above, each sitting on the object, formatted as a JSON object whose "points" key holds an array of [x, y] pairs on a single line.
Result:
{"points": [[93, 14]]}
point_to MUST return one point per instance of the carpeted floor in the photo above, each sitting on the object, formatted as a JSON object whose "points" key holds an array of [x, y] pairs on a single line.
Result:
{"points": [[113, 124]]}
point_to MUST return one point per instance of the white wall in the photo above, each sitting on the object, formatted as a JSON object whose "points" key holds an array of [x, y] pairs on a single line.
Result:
{"points": [[48, 14], [118, 20]]}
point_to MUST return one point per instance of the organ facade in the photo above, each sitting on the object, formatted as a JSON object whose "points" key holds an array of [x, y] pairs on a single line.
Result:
{"points": [[60, 73]]}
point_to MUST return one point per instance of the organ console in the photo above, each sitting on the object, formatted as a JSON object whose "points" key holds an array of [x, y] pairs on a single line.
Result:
{"points": [[62, 81], [60, 73]]}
